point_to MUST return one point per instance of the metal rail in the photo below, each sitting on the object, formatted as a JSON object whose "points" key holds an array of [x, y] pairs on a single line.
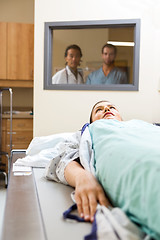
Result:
{"points": [[1, 112]]}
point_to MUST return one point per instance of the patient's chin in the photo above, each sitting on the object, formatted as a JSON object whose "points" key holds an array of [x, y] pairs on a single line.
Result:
{"points": [[109, 117]]}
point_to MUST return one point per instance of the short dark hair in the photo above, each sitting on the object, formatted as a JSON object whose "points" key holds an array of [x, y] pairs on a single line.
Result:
{"points": [[108, 45], [73, 46]]}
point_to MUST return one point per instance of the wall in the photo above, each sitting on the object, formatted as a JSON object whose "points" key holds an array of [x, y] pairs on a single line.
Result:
{"points": [[18, 11], [61, 111]]}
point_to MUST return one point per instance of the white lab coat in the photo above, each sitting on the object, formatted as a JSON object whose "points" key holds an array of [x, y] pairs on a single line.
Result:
{"points": [[65, 76]]}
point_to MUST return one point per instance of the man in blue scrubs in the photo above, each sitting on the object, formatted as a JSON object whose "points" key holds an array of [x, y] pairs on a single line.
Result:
{"points": [[108, 73]]}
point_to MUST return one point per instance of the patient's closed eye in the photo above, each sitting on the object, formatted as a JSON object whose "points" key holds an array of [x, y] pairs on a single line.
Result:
{"points": [[98, 109]]}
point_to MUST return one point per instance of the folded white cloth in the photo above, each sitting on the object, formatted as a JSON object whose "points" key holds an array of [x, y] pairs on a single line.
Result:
{"points": [[43, 149]]}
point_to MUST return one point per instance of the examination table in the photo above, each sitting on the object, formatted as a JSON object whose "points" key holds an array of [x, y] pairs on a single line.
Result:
{"points": [[34, 208]]}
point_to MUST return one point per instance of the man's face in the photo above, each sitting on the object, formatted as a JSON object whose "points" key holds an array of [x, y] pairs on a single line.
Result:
{"points": [[105, 110], [108, 56], [73, 58]]}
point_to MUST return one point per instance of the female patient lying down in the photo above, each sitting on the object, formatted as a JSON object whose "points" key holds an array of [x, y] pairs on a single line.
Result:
{"points": [[124, 165]]}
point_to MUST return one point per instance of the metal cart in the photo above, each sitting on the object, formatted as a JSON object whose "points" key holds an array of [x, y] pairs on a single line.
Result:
{"points": [[2, 153]]}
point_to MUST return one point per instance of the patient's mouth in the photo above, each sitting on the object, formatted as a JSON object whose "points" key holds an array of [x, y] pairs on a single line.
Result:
{"points": [[108, 114]]}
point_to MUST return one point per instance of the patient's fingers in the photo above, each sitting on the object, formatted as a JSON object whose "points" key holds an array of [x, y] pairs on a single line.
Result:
{"points": [[92, 206], [86, 208], [79, 205], [87, 202], [88, 192], [83, 206], [97, 196]]}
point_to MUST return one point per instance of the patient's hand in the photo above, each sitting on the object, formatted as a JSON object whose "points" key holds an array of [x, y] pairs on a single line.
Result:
{"points": [[88, 192]]}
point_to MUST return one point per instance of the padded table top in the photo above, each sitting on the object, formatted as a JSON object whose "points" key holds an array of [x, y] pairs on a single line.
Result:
{"points": [[34, 209]]}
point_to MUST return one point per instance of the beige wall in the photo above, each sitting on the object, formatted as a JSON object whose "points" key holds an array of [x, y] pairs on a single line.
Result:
{"points": [[18, 11], [61, 111]]}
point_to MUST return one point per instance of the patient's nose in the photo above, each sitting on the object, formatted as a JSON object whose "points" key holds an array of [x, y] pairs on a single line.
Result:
{"points": [[106, 108]]}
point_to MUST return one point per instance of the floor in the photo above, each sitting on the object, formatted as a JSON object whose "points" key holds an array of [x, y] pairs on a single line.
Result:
{"points": [[3, 192]]}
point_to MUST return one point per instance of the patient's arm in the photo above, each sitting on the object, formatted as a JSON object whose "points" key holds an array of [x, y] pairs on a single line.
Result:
{"points": [[88, 192]]}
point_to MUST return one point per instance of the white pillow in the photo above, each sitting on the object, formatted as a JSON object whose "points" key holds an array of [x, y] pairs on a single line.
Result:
{"points": [[39, 143]]}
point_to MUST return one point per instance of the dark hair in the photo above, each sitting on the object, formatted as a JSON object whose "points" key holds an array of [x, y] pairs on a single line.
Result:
{"points": [[90, 120], [110, 46], [73, 46]]}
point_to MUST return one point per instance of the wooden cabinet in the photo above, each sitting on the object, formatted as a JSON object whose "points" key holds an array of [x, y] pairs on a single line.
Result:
{"points": [[22, 133], [3, 50], [16, 54], [20, 51]]}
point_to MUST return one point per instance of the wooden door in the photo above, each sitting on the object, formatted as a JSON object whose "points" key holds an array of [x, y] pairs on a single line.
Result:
{"points": [[20, 54], [3, 50]]}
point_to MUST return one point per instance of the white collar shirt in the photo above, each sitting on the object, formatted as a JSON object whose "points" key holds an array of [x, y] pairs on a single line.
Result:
{"points": [[65, 76]]}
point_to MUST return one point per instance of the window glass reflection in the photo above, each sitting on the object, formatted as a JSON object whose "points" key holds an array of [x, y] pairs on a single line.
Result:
{"points": [[91, 42]]}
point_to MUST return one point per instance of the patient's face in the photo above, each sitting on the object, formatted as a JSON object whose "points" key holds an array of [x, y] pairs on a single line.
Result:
{"points": [[105, 110]]}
